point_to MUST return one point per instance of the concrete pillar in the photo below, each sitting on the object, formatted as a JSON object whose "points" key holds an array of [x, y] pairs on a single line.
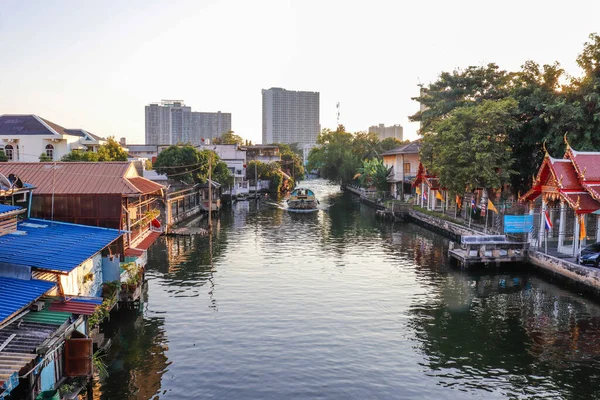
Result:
{"points": [[576, 236], [542, 225], [422, 192], [429, 198], [562, 224], [529, 236]]}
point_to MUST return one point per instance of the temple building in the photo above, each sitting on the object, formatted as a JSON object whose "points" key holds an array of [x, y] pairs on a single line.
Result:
{"points": [[569, 192]]}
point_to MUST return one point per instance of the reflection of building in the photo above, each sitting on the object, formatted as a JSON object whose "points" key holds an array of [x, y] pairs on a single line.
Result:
{"points": [[384, 132], [24, 138], [290, 116], [172, 122]]}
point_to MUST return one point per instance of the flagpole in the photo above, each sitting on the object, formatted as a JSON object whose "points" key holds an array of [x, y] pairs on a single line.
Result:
{"points": [[546, 242], [470, 214]]}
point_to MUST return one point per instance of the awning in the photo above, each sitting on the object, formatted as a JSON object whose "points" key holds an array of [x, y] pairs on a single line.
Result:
{"points": [[142, 246], [10, 365]]}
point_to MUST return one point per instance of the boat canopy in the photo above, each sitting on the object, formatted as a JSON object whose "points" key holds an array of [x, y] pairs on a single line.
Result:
{"points": [[302, 192]]}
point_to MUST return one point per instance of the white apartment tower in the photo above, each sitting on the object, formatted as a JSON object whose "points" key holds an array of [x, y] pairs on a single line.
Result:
{"points": [[290, 117], [172, 122], [384, 132]]}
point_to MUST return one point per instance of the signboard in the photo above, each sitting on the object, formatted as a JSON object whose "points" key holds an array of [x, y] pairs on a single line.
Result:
{"points": [[518, 223]]}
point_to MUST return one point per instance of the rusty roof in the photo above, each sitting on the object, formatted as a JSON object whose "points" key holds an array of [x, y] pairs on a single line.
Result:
{"points": [[81, 177]]}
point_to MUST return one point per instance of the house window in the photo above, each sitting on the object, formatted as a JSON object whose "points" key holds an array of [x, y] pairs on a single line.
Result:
{"points": [[50, 151], [8, 150], [406, 168]]}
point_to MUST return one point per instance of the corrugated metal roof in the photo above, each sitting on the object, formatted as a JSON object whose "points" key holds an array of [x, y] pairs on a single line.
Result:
{"points": [[54, 246], [10, 365], [16, 294], [75, 305], [409, 148], [47, 317], [5, 208], [81, 177]]}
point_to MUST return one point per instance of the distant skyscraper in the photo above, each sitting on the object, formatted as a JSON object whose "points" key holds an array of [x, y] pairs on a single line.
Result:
{"points": [[290, 116], [172, 122], [384, 132]]}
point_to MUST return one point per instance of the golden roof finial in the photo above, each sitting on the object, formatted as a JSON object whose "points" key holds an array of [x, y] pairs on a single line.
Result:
{"points": [[577, 204], [544, 147], [566, 141]]}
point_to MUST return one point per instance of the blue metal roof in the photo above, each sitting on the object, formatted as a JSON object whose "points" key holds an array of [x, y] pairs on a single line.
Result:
{"points": [[18, 293], [54, 246], [4, 208]]}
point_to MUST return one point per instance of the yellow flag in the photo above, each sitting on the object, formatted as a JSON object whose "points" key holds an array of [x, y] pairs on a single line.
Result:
{"points": [[458, 201], [581, 227], [439, 196], [418, 190], [491, 206]]}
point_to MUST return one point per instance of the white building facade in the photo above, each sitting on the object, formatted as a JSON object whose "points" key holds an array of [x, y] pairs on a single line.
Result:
{"points": [[24, 138], [172, 122], [290, 117]]}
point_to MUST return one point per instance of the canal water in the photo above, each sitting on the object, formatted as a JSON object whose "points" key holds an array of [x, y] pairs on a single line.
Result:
{"points": [[336, 305]]}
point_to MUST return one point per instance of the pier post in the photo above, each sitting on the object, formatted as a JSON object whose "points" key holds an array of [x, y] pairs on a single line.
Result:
{"points": [[561, 224]]}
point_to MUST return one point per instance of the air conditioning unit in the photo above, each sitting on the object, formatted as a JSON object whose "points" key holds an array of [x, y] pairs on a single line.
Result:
{"points": [[38, 306]]}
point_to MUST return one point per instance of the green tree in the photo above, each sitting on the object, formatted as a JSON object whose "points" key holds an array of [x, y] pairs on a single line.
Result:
{"points": [[470, 147], [229, 138], [3, 156], [291, 163], [390, 143], [111, 151], [44, 157], [366, 145], [334, 157], [77, 155], [184, 163], [374, 173]]}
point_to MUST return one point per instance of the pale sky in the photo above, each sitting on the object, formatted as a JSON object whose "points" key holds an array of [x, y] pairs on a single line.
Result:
{"points": [[96, 64]]}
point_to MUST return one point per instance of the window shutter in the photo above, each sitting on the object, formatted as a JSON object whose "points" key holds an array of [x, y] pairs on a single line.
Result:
{"points": [[78, 357]]}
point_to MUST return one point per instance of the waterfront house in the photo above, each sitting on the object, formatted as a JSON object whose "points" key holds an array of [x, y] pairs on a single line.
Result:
{"points": [[103, 194], [404, 161], [265, 153], [23, 138], [50, 273], [567, 193]]}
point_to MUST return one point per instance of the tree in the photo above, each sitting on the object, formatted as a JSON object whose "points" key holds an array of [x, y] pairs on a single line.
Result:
{"points": [[44, 157], [469, 148], [229, 138], [335, 158], [365, 145], [390, 143], [374, 173], [184, 163], [3, 156], [111, 151]]}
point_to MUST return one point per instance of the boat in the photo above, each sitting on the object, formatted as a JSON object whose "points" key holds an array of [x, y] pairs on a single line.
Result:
{"points": [[302, 200]]}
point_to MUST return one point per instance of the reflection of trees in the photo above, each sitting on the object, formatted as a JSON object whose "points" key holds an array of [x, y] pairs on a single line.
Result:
{"points": [[501, 332], [136, 359]]}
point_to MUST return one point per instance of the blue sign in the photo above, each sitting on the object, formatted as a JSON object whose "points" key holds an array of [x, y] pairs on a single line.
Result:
{"points": [[518, 223]]}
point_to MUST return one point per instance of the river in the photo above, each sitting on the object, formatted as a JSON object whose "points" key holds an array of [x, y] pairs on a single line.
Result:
{"points": [[336, 305]]}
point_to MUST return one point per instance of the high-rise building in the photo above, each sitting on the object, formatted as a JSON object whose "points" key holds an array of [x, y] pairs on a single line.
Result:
{"points": [[172, 122], [384, 132], [290, 116]]}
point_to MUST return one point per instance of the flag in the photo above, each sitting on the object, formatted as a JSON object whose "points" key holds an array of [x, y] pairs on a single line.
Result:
{"points": [[439, 196], [473, 203], [458, 201], [581, 227], [424, 195], [491, 206], [418, 190], [547, 220]]}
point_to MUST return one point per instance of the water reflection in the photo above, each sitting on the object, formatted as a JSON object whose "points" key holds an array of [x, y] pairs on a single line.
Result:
{"points": [[335, 304]]}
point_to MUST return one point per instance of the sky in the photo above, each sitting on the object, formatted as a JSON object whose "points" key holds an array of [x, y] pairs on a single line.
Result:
{"points": [[95, 64]]}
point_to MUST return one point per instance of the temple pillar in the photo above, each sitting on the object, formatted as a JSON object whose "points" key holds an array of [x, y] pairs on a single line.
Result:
{"points": [[551, 231], [576, 235], [598, 228], [542, 224], [422, 192], [562, 224], [531, 209], [429, 200]]}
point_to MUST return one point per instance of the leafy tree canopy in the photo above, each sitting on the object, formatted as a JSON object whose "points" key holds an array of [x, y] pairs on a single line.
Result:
{"points": [[374, 173], [3, 156], [391, 143], [229, 138], [183, 163], [110, 151]]}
